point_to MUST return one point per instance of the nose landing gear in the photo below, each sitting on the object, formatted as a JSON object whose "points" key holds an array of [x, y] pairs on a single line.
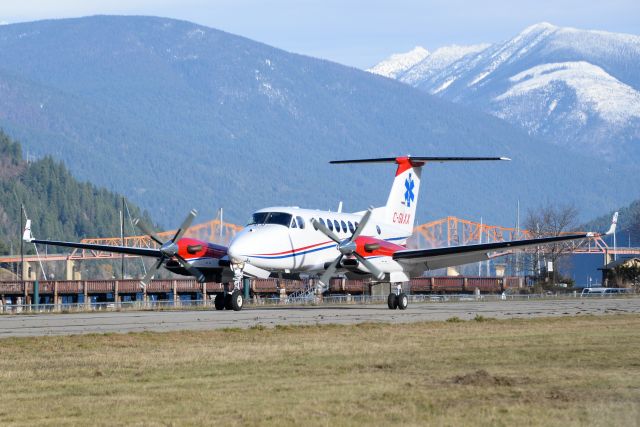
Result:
{"points": [[231, 299]]}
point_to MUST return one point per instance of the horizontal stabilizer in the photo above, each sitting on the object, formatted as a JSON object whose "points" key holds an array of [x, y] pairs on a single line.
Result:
{"points": [[419, 159]]}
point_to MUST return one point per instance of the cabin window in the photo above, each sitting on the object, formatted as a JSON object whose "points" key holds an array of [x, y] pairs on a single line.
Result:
{"points": [[378, 229], [351, 228], [300, 221], [344, 226], [293, 223], [337, 224], [330, 224]]}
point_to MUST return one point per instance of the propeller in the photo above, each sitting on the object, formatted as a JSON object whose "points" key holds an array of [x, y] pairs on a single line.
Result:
{"points": [[169, 249], [346, 247]]}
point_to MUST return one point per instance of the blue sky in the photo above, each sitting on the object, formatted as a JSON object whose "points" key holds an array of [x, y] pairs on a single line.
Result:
{"points": [[357, 33]]}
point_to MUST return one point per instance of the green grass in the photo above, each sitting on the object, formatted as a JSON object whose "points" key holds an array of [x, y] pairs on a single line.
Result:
{"points": [[563, 371]]}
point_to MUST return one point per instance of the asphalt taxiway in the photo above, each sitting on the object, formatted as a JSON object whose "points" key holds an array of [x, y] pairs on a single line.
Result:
{"points": [[173, 320]]}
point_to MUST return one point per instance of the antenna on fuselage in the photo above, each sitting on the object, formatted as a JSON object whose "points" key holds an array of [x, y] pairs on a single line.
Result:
{"points": [[340, 207]]}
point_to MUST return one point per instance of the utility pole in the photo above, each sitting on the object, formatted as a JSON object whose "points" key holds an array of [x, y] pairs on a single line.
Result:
{"points": [[480, 242], [518, 237], [122, 239], [21, 242]]}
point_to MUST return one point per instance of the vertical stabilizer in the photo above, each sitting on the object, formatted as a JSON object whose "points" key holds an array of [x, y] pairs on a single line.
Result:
{"points": [[400, 210]]}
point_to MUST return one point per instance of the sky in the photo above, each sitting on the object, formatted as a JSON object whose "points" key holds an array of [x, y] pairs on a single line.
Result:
{"points": [[358, 33]]}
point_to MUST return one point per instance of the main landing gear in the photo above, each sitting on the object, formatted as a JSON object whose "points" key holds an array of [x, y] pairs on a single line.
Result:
{"points": [[231, 299], [398, 299]]}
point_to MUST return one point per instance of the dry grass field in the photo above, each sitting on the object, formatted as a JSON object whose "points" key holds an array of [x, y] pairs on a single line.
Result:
{"points": [[561, 371]]}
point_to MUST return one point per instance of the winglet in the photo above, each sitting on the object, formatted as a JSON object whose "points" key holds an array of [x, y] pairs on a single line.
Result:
{"points": [[614, 223], [27, 236]]}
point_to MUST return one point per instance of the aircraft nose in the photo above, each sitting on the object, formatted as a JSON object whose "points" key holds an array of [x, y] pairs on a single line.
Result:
{"points": [[239, 249]]}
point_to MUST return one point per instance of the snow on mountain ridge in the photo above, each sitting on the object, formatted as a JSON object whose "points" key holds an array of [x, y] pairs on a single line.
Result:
{"points": [[595, 89], [440, 59], [515, 48], [398, 63]]}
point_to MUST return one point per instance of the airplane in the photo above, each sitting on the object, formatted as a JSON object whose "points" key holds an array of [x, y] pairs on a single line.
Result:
{"points": [[290, 240], [367, 243]]}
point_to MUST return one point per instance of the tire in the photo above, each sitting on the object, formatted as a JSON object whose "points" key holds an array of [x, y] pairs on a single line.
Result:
{"points": [[392, 301], [227, 301], [237, 301], [403, 301], [219, 301]]}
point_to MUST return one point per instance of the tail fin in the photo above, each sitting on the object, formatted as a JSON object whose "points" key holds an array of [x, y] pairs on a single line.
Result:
{"points": [[27, 236], [614, 223], [400, 209]]}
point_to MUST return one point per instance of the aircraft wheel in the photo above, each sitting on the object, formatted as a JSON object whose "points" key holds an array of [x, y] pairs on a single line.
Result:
{"points": [[392, 301], [403, 301], [237, 300], [219, 301], [227, 301]]}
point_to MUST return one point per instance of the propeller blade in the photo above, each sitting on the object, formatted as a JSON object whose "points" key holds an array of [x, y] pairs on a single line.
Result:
{"points": [[323, 228], [372, 268], [185, 225], [146, 231], [191, 269], [152, 272], [362, 224], [329, 272]]}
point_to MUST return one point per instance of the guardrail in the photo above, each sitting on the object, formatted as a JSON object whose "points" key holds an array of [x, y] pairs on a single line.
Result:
{"points": [[266, 302]]}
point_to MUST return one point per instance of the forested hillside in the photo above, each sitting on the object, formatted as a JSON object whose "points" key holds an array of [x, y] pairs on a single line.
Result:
{"points": [[628, 224], [60, 206]]}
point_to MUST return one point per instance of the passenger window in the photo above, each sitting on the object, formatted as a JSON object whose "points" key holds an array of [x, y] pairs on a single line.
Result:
{"points": [[330, 224], [337, 224], [356, 224], [300, 222], [293, 223], [378, 229], [351, 228], [322, 221], [344, 226]]}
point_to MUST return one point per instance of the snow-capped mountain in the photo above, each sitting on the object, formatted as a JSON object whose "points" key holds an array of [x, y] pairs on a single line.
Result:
{"points": [[418, 64], [397, 64], [576, 87]]}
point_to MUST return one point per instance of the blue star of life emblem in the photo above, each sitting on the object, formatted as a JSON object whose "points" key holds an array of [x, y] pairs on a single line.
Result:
{"points": [[408, 194]]}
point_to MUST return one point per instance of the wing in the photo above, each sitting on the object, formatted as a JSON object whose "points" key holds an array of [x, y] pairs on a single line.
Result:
{"points": [[457, 255], [154, 253]]}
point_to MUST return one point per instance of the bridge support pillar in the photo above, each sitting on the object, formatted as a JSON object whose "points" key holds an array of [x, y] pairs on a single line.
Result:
{"points": [[72, 270], [56, 307], [174, 286], [204, 293], [29, 270], [607, 257]]}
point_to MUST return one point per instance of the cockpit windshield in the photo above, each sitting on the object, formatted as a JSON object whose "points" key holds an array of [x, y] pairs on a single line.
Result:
{"points": [[280, 218]]}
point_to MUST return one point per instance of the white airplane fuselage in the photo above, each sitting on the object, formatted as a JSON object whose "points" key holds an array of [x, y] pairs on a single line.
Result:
{"points": [[282, 239]]}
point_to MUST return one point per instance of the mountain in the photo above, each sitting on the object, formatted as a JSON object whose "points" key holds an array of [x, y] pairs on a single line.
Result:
{"points": [[177, 116], [568, 86], [62, 208]]}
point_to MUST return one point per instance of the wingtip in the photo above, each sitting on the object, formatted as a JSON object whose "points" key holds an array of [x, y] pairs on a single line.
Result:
{"points": [[505, 158]]}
